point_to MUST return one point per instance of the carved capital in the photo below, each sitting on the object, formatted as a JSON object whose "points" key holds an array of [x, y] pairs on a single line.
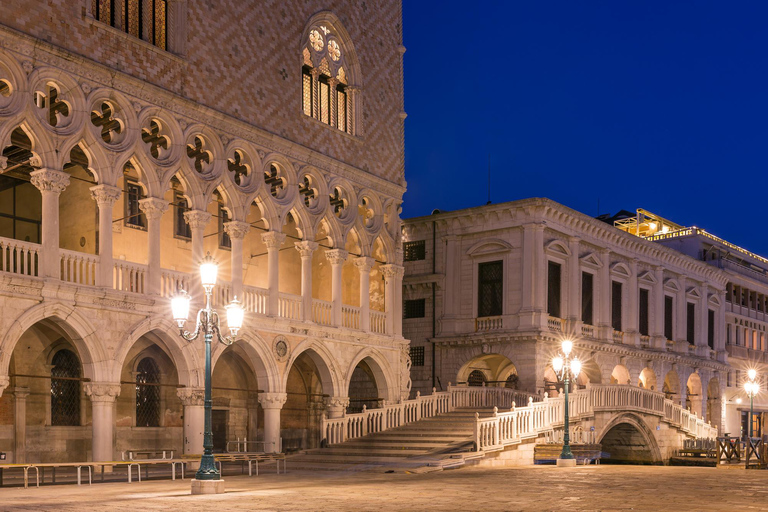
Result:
{"points": [[236, 229], [153, 207], [3, 162], [48, 180], [390, 271], [364, 263], [273, 239], [336, 256], [272, 400], [306, 248], [191, 397], [336, 402], [197, 219], [105, 195], [20, 393], [102, 391]]}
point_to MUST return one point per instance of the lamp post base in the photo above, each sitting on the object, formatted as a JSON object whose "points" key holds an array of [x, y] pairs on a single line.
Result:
{"points": [[207, 486], [566, 463]]}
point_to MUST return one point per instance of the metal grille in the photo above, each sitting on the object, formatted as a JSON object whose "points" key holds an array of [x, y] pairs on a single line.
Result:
{"points": [[341, 109], [417, 356], [325, 101], [511, 382], [161, 10], [414, 308], [307, 91], [65, 389], [490, 289], [476, 378], [414, 251], [147, 393], [133, 24]]}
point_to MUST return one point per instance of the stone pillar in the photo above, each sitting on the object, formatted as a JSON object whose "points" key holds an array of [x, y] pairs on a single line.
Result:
{"points": [[333, 107], [51, 184], [703, 318], [604, 296], [103, 396], [336, 257], [273, 240], [351, 102], [721, 325], [336, 406], [237, 231], [253, 418], [271, 403], [315, 93], [193, 400], [539, 270], [20, 395], [105, 197], [393, 295], [451, 296], [681, 326], [399, 273], [364, 265], [574, 283], [657, 320], [306, 248], [197, 220], [153, 208]]}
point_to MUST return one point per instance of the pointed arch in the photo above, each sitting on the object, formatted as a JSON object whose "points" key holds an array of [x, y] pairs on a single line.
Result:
{"points": [[326, 366], [259, 357], [386, 382]]}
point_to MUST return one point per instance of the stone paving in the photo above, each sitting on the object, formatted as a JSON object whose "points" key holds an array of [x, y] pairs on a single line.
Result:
{"points": [[602, 488]]}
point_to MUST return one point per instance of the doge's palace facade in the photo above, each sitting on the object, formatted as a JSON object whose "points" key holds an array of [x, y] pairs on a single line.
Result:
{"points": [[136, 137]]}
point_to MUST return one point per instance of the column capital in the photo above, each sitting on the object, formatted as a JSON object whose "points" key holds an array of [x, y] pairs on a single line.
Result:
{"points": [[272, 400], [273, 239], [336, 256], [391, 270], [153, 207], [306, 248], [20, 392], [236, 229], [48, 180], [191, 396], [4, 382], [336, 401], [102, 391], [364, 263], [3, 162], [197, 218], [105, 195]]}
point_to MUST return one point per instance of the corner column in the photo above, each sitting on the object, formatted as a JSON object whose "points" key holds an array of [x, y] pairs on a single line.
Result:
{"points": [[197, 220], [364, 264], [153, 208], [20, 395], [105, 197], [306, 249], [51, 184], [336, 257], [272, 403], [273, 240], [237, 231], [193, 400], [103, 396]]}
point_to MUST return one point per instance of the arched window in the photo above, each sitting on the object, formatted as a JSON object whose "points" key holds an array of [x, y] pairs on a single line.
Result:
{"points": [[147, 393], [476, 378], [65, 389], [327, 93], [511, 382]]}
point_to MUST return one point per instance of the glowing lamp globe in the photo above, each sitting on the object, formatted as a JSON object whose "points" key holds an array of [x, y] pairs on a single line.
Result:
{"points": [[557, 364], [567, 347], [575, 367], [751, 373], [209, 270], [180, 308], [235, 315]]}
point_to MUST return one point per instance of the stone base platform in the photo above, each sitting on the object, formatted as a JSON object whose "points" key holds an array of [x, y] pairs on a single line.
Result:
{"points": [[207, 486]]}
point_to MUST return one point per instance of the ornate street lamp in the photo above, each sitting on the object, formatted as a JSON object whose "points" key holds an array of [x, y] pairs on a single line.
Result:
{"points": [[752, 388], [566, 368], [208, 323]]}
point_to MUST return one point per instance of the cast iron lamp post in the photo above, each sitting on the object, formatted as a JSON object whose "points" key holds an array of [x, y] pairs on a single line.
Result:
{"points": [[752, 388], [566, 368], [207, 322]]}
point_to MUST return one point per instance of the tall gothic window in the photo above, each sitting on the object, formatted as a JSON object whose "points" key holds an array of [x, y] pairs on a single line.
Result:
{"points": [[65, 389], [147, 393], [143, 19], [490, 288]]}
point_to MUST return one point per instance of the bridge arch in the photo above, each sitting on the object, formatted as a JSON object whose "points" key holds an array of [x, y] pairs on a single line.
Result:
{"points": [[647, 379], [493, 369], [628, 439]]}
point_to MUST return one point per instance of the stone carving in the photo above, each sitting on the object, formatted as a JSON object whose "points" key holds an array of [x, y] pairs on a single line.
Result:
{"points": [[336, 256], [236, 229], [306, 248], [281, 348], [405, 372], [273, 239], [105, 195], [191, 396], [197, 219], [272, 400], [48, 180], [336, 401], [153, 207], [102, 391]]}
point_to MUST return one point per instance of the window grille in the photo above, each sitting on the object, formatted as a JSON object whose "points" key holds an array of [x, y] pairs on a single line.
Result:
{"points": [[414, 308], [65, 389], [306, 91], [512, 381], [417, 356], [143, 19], [181, 228], [476, 378], [134, 217], [490, 293], [147, 393], [415, 251]]}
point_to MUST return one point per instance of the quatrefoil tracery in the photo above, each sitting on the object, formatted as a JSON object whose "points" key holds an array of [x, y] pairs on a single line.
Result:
{"points": [[272, 179], [200, 156], [56, 108], [105, 120], [238, 167], [154, 139]]}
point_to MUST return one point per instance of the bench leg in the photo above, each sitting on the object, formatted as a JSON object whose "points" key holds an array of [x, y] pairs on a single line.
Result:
{"points": [[173, 470], [26, 478], [78, 475]]}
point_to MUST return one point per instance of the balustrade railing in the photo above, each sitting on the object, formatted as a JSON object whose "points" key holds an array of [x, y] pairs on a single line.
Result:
{"points": [[350, 317], [378, 322], [129, 277], [78, 267], [171, 281], [587, 331], [618, 337], [322, 311], [255, 299], [489, 323], [289, 306], [18, 257], [222, 294], [555, 324]]}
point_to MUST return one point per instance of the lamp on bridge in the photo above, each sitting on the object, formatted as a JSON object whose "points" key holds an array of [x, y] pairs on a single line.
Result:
{"points": [[567, 368], [207, 479]]}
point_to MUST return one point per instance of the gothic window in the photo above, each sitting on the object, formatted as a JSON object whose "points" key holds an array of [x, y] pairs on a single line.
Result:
{"points": [[476, 378], [133, 215], [224, 241], [143, 19], [65, 389], [490, 290], [147, 393], [180, 227]]}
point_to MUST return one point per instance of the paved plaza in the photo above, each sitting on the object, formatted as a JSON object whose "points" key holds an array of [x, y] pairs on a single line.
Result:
{"points": [[649, 488]]}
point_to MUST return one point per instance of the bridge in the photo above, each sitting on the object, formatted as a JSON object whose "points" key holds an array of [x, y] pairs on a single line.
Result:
{"points": [[632, 424]]}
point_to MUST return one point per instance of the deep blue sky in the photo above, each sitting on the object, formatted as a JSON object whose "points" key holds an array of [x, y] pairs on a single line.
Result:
{"points": [[661, 105]]}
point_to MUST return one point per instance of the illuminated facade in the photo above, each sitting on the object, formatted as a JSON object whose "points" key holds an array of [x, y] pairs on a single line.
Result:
{"points": [[138, 136]]}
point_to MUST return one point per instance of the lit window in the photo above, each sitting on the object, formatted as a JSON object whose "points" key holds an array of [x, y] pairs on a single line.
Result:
{"points": [[490, 291], [180, 227], [414, 251], [224, 241], [143, 19], [134, 217]]}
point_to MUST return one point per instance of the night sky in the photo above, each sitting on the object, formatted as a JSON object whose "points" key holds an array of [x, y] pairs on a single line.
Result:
{"points": [[661, 105]]}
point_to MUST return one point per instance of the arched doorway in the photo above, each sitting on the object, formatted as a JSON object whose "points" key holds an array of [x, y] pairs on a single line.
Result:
{"points": [[367, 386], [647, 379], [489, 369], [234, 391], [693, 397], [307, 384], [620, 375], [627, 440]]}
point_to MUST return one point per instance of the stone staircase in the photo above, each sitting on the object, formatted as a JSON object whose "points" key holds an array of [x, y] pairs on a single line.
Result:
{"points": [[441, 441]]}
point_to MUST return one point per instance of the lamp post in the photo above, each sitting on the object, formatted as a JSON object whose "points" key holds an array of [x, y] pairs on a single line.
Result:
{"points": [[207, 479], [752, 388], [566, 368]]}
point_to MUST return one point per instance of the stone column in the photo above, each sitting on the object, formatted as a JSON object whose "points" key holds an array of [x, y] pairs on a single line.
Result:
{"points": [[153, 208], [103, 396], [393, 295], [574, 284], [539, 270], [399, 273], [451, 296], [271, 403], [197, 220], [364, 265], [333, 106], [351, 123], [633, 306], [681, 325], [721, 325], [315, 93], [51, 184], [702, 330], [336, 406], [105, 197], [193, 400], [306, 248], [273, 240], [237, 231], [604, 296], [20, 395], [336, 257]]}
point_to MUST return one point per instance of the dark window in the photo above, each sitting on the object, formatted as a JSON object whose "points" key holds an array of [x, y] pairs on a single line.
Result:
{"points": [[134, 217], [20, 210], [587, 297], [143, 19], [181, 229], [147, 393], [490, 292], [476, 378], [414, 308], [616, 305], [414, 251], [728, 335], [691, 323], [729, 293], [553, 289], [669, 312], [643, 312], [224, 241], [711, 329], [417, 356], [512, 382], [65, 389]]}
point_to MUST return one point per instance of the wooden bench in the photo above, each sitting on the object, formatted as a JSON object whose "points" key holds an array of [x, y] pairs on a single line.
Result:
{"points": [[251, 459], [42, 465], [148, 454]]}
